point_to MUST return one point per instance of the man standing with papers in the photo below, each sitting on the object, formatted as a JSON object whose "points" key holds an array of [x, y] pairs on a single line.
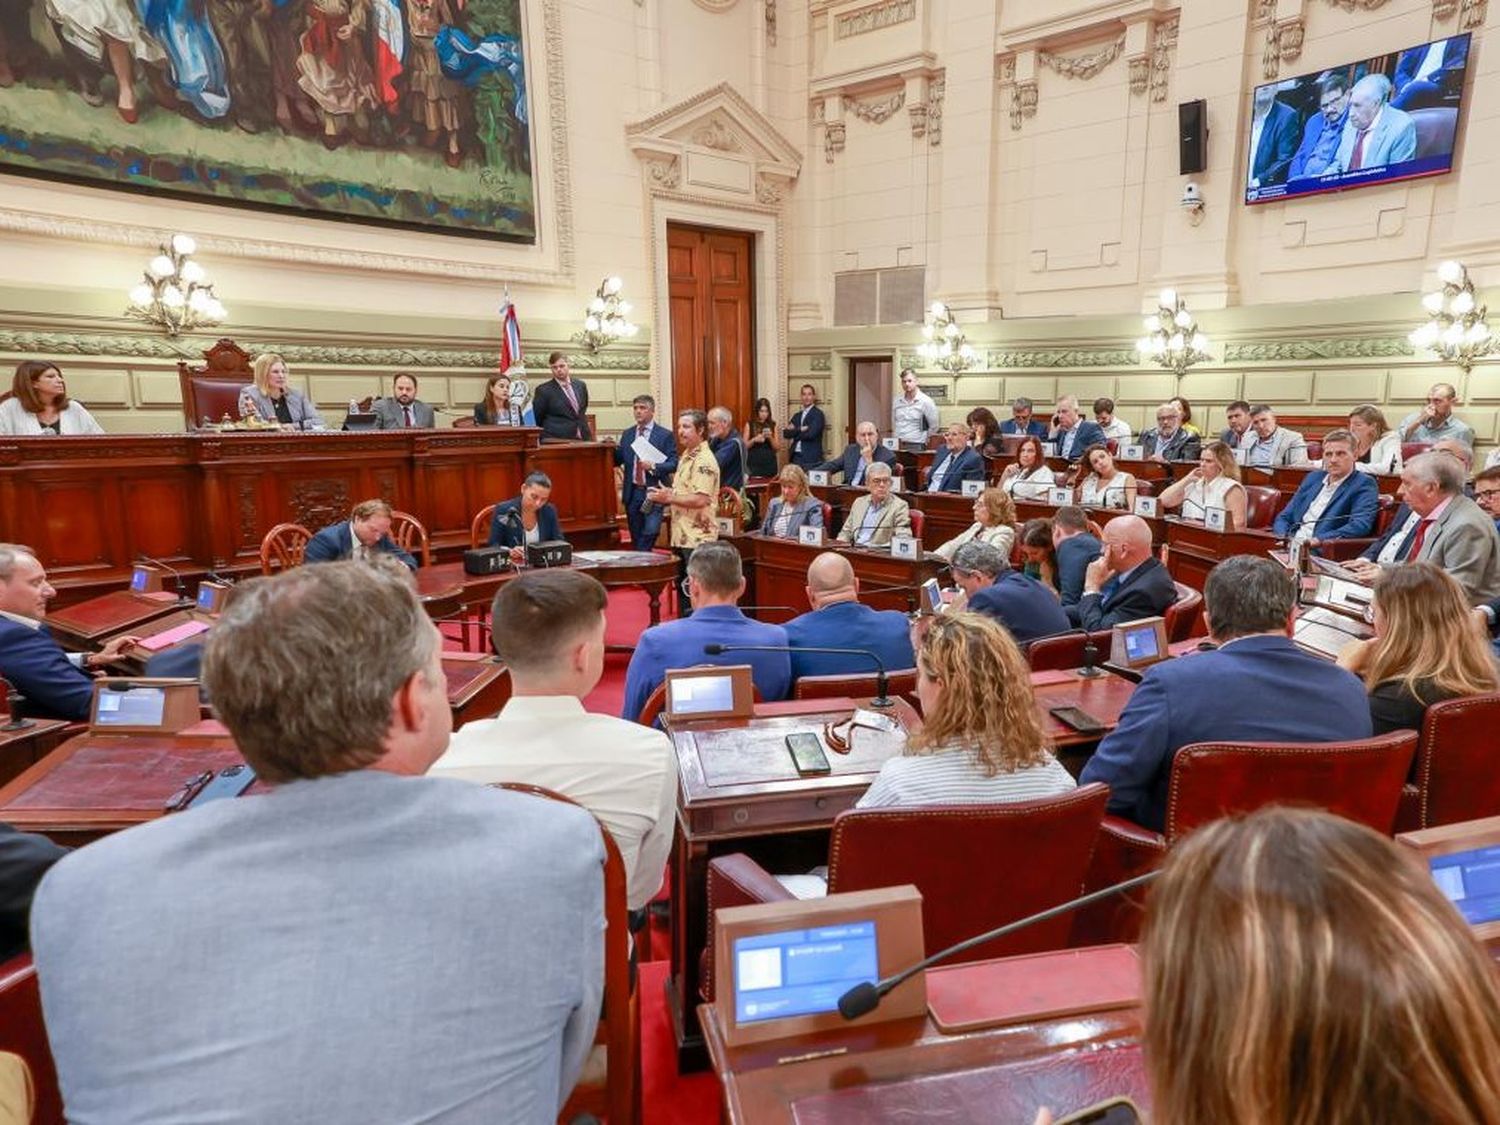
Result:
{"points": [[647, 456]]}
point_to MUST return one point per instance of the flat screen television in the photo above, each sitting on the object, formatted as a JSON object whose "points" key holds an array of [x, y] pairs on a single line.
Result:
{"points": [[1392, 117]]}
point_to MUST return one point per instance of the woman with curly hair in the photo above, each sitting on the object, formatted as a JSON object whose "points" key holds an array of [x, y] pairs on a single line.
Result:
{"points": [[981, 739]]}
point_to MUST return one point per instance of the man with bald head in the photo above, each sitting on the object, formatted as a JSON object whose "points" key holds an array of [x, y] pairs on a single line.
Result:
{"points": [[839, 620], [1126, 582], [865, 450]]}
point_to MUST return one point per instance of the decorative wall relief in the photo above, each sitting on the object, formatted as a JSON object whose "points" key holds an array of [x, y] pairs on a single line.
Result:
{"points": [[1083, 67], [877, 110], [833, 140], [873, 18], [935, 91], [1022, 103], [1164, 43], [1283, 44]]}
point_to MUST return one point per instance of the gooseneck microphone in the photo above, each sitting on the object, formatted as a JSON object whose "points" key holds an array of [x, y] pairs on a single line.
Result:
{"points": [[881, 682], [176, 575], [865, 997]]}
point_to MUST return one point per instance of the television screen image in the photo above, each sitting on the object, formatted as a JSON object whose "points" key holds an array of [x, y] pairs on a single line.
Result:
{"points": [[1392, 117]]}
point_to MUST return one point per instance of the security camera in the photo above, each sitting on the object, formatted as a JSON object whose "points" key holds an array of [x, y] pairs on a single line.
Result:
{"points": [[1191, 197]]}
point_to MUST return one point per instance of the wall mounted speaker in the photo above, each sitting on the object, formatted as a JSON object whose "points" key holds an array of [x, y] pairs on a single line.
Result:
{"points": [[1192, 137]]}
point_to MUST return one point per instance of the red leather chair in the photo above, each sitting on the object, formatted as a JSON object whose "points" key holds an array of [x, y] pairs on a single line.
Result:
{"points": [[902, 682], [1262, 502], [1454, 778], [1183, 614], [213, 390], [1315, 449], [1359, 780], [1410, 449], [827, 520], [22, 1032], [918, 522], [1065, 652], [933, 847], [1341, 550]]}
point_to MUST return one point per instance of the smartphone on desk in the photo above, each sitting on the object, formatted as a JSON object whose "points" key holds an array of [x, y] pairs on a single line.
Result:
{"points": [[1116, 1111], [228, 782], [1079, 719], [807, 754]]}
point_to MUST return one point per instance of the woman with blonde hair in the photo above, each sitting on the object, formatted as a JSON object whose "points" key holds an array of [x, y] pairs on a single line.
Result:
{"points": [[794, 509], [1426, 647], [1377, 447], [272, 397], [1215, 483], [1300, 969], [981, 739], [994, 523]]}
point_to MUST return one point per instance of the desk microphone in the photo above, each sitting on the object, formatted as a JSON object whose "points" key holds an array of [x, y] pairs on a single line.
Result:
{"points": [[15, 703], [176, 575], [1090, 669], [865, 997], [881, 683]]}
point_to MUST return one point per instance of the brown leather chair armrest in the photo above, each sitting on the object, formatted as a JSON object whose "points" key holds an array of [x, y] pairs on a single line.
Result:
{"points": [[1342, 550], [733, 880], [1123, 851]]}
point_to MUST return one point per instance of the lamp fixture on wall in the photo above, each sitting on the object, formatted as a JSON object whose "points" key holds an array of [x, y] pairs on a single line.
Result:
{"points": [[607, 318], [176, 294], [1172, 338], [1456, 328], [943, 342]]}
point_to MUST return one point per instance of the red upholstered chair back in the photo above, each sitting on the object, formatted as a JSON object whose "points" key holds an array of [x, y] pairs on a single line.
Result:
{"points": [[408, 533], [283, 547], [1435, 127], [1410, 449], [1182, 615], [1385, 513], [479, 527], [827, 518], [918, 522], [1455, 764], [1359, 780], [22, 1032], [213, 390], [899, 682], [1261, 503], [1314, 449], [977, 866], [1145, 487], [1066, 651]]}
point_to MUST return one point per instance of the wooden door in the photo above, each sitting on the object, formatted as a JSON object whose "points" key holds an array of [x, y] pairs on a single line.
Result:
{"points": [[710, 287]]}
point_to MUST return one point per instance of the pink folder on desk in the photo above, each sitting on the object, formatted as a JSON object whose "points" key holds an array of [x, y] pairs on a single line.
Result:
{"points": [[169, 637]]}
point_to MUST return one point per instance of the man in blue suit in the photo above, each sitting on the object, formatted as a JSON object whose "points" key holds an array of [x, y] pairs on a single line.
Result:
{"points": [[1324, 129], [956, 463], [727, 448], [56, 684], [806, 430], [838, 620], [366, 532], [1333, 502], [1071, 432], [863, 452], [1127, 582], [1018, 601], [638, 476], [1274, 125], [1257, 687], [715, 579], [1021, 422]]}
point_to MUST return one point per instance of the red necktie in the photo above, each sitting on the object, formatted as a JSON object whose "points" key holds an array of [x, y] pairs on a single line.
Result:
{"points": [[1415, 547], [1357, 159], [640, 466], [407, 409]]}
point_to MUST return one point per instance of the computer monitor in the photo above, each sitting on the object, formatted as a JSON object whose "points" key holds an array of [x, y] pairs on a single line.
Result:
{"points": [[211, 596], [143, 706], [710, 692], [1464, 860], [1139, 644], [144, 579]]}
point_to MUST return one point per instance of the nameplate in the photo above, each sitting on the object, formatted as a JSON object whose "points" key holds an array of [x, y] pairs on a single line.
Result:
{"points": [[1241, 456], [1058, 497], [1145, 506], [810, 536], [898, 483], [1049, 449], [1214, 519], [893, 444], [905, 547], [1133, 452], [817, 476], [727, 525], [972, 487]]}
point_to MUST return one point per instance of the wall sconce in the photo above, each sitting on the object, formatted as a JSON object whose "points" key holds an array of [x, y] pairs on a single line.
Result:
{"points": [[1456, 329], [943, 342], [176, 294], [1172, 338], [607, 318]]}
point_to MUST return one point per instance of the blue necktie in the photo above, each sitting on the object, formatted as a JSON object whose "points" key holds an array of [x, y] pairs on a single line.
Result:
{"points": [[1107, 591]]}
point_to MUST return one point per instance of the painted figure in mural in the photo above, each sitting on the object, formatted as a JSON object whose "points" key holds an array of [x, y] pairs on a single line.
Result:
{"points": [[433, 97], [110, 33], [334, 68]]}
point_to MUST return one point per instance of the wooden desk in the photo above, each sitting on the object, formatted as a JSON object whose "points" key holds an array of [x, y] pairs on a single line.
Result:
{"points": [[739, 792], [88, 623], [1104, 697], [478, 686], [776, 575], [1194, 550], [23, 748]]}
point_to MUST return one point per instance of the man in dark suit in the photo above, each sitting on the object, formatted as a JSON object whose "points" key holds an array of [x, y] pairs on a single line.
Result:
{"points": [[403, 410], [1333, 502], [728, 449], [1169, 441], [1019, 602], [1071, 432], [638, 476], [560, 403], [1021, 422], [806, 430], [24, 859], [56, 685], [1257, 687], [956, 463], [365, 533], [1274, 126], [1075, 547], [838, 620], [1126, 582], [861, 453]]}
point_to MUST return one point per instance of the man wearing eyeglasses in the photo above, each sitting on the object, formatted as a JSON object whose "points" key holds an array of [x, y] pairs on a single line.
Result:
{"points": [[1321, 135], [1487, 493]]}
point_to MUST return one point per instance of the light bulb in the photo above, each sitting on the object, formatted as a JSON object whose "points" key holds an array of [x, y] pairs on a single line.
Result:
{"points": [[1463, 303], [172, 297], [632, 329], [216, 310], [183, 244], [591, 324], [1454, 335], [950, 330], [927, 331], [1200, 342], [1451, 272], [1176, 342], [1424, 336], [596, 305], [1477, 332], [1148, 323], [161, 266], [141, 295], [613, 286], [1168, 299], [198, 301], [1182, 319], [1433, 302], [937, 311], [624, 308], [192, 273]]}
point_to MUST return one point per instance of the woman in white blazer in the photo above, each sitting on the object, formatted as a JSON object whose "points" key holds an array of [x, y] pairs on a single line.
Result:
{"points": [[39, 404], [1377, 447]]}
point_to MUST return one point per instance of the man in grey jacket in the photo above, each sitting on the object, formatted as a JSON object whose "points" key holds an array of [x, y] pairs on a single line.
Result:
{"points": [[403, 410], [361, 943]]}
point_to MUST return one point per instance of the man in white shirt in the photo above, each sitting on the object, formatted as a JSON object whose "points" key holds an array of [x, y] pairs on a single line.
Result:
{"points": [[549, 631], [1116, 428], [913, 414]]}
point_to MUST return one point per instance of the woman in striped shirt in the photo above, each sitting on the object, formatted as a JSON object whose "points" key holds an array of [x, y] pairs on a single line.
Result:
{"points": [[981, 740]]}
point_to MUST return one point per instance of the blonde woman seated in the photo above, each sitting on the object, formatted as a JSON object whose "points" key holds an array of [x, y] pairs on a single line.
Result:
{"points": [[1377, 447], [1215, 483], [273, 399], [39, 404], [794, 509], [1028, 478], [1105, 486], [981, 739], [1426, 647], [876, 517], [994, 523]]}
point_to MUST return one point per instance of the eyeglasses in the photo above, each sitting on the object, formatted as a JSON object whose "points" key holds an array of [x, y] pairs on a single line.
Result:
{"points": [[190, 789], [1481, 493]]}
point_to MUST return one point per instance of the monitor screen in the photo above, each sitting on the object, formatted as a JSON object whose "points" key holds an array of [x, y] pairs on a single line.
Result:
{"points": [[139, 577], [698, 695], [1471, 880], [801, 972], [135, 707], [1140, 644], [1368, 121], [206, 597], [932, 593]]}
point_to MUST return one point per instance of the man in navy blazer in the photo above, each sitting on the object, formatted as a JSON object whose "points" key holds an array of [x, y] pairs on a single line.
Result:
{"points": [[1016, 600], [1075, 548], [1071, 432], [644, 526], [716, 579], [839, 620], [366, 532], [1333, 502], [1257, 687], [560, 404], [806, 430], [1276, 127], [56, 685], [863, 452], [956, 463], [1021, 422], [1126, 582]]}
